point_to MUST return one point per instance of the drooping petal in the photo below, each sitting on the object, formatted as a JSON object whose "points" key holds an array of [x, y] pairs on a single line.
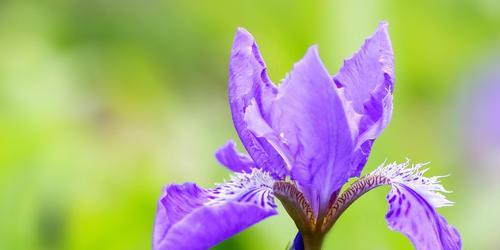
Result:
{"points": [[429, 188], [191, 218], [412, 215], [208, 226], [310, 118], [249, 82], [229, 157], [413, 200], [176, 202], [366, 82]]}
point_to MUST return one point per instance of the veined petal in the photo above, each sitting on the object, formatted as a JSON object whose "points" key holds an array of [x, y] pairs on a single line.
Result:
{"points": [[255, 187], [249, 82], [309, 116], [415, 217], [365, 84], [191, 218], [176, 202], [412, 202], [229, 157]]}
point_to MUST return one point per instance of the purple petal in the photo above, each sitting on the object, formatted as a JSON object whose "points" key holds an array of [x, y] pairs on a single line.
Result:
{"points": [[298, 242], [229, 157], [412, 215], [176, 202], [249, 82], [189, 217], [366, 82], [207, 226], [310, 118]]}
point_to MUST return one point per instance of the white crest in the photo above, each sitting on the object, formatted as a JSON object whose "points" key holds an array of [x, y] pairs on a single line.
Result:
{"points": [[255, 187], [412, 176]]}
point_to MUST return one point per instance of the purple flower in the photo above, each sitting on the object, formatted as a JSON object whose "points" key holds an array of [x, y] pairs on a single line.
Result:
{"points": [[305, 139]]}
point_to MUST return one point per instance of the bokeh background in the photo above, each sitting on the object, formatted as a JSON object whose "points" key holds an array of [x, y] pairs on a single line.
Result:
{"points": [[103, 102]]}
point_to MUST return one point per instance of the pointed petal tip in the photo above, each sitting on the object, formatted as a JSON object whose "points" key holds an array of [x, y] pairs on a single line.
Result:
{"points": [[312, 55], [383, 25], [312, 50], [243, 35], [242, 31], [242, 39], [231, 142], [382, 34], [382, 28], [244, 43], [308, 109]]}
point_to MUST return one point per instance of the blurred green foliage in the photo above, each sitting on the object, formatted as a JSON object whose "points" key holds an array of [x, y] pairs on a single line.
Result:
{"points": [[103, 102]]}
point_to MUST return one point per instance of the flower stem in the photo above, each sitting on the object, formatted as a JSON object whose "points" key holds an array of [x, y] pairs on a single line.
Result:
{"points": [[312, 241]]}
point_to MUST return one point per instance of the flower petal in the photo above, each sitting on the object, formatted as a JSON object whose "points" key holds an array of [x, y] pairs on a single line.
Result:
{"points": [[411, 214], [412, 202], [190, 218], [310, 118], [176, 202], [229, 157], [249, 82], [297, 243], [366, 82], [429, 188], [208, 226]]}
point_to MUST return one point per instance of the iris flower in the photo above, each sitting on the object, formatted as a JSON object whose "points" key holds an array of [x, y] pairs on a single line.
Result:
{"points": [[305, 139]]}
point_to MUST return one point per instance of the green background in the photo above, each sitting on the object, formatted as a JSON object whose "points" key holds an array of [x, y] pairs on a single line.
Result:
{"points": [[104, 102]]}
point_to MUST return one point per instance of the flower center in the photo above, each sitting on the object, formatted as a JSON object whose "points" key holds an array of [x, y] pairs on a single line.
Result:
{"points": [[299, 209]]}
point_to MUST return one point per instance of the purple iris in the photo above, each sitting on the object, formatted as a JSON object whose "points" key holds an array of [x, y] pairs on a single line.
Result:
{"points": [[305, 139]]}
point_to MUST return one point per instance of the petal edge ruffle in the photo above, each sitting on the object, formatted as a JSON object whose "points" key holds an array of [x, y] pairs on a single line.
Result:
{"points": [[249, 82], [366, 82]]}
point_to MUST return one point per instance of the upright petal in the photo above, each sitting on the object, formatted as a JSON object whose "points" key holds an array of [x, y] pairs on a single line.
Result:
{"points": [[412, 215], [309, 117], [366, 82], [229, 157], [249, 82], [191, 218]]}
